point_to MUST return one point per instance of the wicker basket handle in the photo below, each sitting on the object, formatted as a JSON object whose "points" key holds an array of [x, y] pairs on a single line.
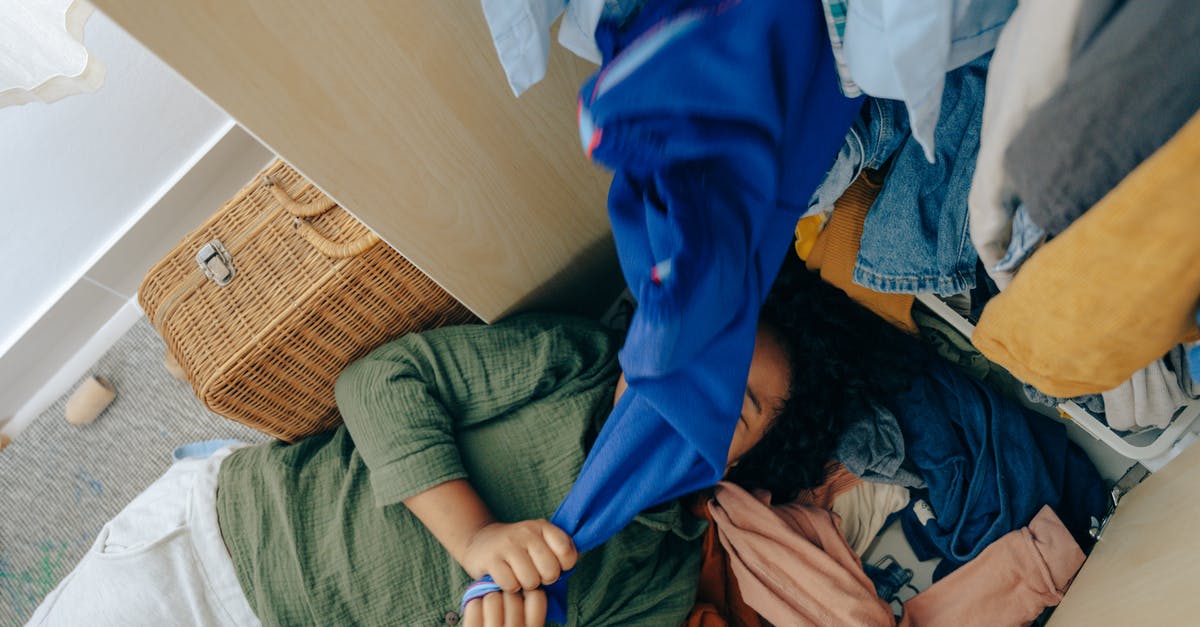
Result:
{"points": [[323, 244]]}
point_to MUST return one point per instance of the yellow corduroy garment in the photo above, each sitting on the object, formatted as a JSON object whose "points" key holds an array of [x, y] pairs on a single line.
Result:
{"points": [[836, 249], [1113, 292]]}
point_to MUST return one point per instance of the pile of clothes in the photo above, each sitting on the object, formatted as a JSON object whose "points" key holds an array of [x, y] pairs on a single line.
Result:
{"points": [[1031, 161]]}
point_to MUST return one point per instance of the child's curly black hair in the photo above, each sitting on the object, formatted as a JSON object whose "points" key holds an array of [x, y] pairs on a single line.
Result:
{"points": [[843, 358]]}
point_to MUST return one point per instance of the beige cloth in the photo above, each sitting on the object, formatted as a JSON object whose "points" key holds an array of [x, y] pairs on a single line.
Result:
{"points": [[794, 567], [865, 508], [1148, 399]]}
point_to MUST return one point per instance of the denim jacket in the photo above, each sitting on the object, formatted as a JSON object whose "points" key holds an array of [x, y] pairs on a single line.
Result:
{"points": [[876, 135], [915, 237]]}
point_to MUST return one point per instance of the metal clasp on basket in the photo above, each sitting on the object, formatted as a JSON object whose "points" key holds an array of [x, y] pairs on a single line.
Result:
{"points": [[216, 263]]}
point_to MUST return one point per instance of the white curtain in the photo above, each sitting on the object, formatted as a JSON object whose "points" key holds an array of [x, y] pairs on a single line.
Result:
{"points": [[42, 57]]}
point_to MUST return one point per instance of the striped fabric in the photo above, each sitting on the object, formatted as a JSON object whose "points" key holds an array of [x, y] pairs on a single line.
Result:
{"points": [[835, 20]]}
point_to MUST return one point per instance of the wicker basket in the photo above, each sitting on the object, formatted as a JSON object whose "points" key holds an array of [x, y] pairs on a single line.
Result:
{"points": [[307, 289]]}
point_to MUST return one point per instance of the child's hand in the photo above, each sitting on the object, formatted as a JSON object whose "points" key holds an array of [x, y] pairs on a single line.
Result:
{"points": [[524, 555], [504, 609]]}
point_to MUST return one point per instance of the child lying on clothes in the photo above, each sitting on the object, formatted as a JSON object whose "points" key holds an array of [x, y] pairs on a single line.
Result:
{"points": [[458, 443]]}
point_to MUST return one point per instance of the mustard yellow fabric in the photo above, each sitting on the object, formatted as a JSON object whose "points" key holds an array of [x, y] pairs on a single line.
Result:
{"points": [[835, 251], [807, 231], [1113, 292]]}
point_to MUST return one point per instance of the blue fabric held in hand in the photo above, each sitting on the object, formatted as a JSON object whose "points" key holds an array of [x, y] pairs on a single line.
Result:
{"points": [[989, 464], [719, 119]]}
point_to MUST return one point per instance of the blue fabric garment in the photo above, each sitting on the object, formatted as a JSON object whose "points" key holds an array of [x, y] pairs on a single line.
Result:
{"points": [[1026, 237], [718, 118], [878, 132], [990, 464], [915, 236], [1193, 358], [1094, 403], [903, 50], [871, 447], [201, 449]]}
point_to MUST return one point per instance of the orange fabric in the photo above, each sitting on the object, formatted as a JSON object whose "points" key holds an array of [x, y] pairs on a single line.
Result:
{"points": [[836, 251], [838, 481], [718, 601], [1113, 292]]}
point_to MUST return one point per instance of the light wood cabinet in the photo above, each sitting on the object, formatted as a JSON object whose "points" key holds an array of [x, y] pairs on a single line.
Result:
{"points": [[1146, 566], [400, 111]]}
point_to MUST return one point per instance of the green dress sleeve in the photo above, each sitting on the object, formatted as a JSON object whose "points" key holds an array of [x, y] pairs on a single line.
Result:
{"points": [[403, 403]]}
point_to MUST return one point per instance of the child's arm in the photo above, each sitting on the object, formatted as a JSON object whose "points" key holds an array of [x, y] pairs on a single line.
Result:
{"points": [[404, 403], [523, 555]]}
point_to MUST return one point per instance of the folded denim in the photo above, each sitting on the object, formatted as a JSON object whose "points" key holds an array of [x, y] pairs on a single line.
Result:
{"points": [[1026, 237], [878, 132], [915, 238]]}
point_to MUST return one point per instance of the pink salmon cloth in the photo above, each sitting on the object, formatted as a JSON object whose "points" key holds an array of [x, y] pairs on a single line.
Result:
{"points": [[794, 567]]}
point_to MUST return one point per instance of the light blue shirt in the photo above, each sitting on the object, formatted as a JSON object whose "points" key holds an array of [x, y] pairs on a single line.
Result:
{"points": [[902, 49], [521, 32]]}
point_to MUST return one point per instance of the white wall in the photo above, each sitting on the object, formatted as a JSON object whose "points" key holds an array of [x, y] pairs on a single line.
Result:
{"points": [[77, 173], [98, 188]]}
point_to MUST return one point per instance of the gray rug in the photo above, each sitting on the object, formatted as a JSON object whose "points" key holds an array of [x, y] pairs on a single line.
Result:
{"points": [[60, 483]]}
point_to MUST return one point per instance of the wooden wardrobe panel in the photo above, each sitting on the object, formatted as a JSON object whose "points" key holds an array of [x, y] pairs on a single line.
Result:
{"points": [[400, 111], [1145, 569]]}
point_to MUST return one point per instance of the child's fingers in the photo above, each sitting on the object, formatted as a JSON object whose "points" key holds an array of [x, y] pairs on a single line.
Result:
{"points": [[514, 610], [504, 577], [493, 610], [473, 614], [535, 608], [523, 569], [545, 561], [561, 544]]}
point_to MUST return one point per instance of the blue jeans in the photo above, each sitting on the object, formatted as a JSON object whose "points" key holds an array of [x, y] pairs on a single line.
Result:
{"points": [[915, 236], [1026, 237], [878, 132]]}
